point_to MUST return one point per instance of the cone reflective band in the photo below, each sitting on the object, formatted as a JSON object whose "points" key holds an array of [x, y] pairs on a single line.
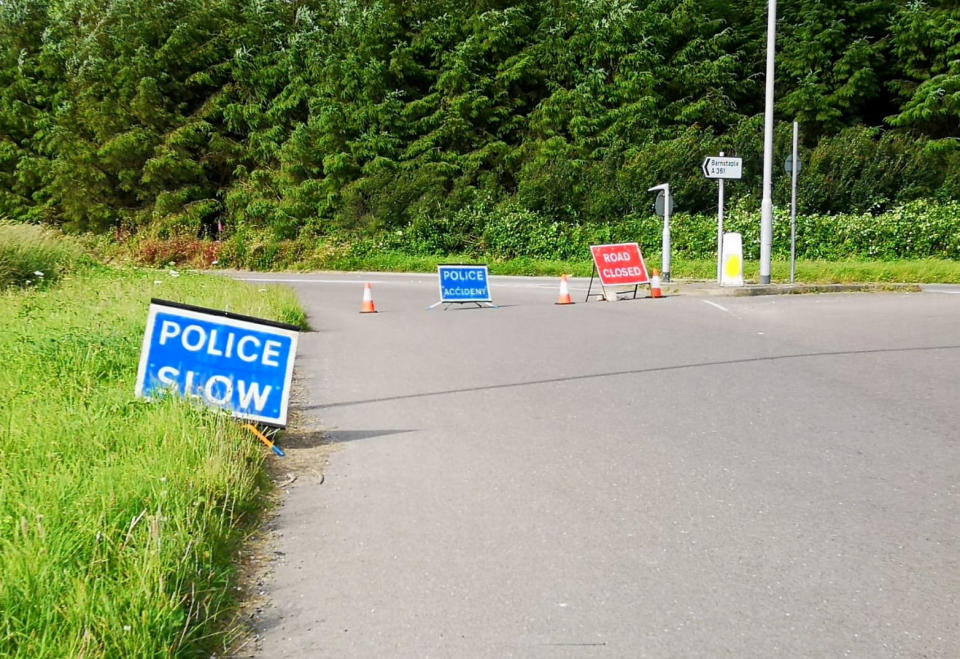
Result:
{"points": [[564, 297], [655, 290], [620, 265], [367, 306]]}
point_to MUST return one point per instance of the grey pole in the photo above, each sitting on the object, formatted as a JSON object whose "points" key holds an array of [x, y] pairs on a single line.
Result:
{"points": [[766, 204], [720, 229], [666, 231], [793, 206], [665, 245]]}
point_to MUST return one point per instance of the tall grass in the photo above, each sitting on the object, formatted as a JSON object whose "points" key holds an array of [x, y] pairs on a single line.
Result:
{"points": [[33, 256], [118, 517]]}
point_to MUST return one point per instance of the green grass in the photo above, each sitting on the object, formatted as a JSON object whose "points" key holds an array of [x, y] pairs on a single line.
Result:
{"points": [[119, 518], [33, 256], [808, 271], [918, 271]]}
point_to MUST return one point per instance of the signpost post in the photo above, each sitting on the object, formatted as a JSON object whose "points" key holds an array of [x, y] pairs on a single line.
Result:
{"points": [[617, 265], [464, 284], [792, 165], [664, 189], [721, 168], [236, 363]]}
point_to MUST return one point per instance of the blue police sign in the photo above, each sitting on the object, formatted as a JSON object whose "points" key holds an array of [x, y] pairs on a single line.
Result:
{"points": [[464, 283], [236, 363]]}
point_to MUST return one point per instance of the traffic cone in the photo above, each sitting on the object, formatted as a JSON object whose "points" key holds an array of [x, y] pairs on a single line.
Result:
{"points": [[655, 284], [564, 292], [368, 306]]}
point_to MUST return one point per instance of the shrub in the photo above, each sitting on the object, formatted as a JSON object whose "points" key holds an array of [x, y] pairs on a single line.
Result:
{"points": [[179, 250]]}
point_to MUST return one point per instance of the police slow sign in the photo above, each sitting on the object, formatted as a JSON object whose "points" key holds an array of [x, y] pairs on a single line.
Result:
{"points": [[237, 363], [464, 283], [619, 265]]}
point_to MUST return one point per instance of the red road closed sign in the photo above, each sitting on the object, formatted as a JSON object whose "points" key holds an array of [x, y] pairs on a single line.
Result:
{"points": [[620, 265]]}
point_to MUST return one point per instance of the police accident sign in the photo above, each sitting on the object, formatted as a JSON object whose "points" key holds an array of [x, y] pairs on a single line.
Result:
{"points": [[620, 265], [464, 283], [236, 363]]}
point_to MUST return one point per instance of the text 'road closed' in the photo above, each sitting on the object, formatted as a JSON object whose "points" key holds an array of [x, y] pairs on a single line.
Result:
{"points": [[619, 265]]}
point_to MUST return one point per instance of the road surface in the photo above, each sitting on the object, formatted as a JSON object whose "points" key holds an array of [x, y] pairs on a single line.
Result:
{"points": [[684, 477]]}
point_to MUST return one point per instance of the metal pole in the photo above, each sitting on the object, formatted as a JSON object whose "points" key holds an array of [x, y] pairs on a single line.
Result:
{"points": [[666, 232], [766, 204], [665, 246], [720, 229], [793, 206]]}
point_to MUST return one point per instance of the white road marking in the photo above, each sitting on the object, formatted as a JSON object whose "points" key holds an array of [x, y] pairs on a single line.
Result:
{"points": [[428, 280], [352, 282], [718, 306]]}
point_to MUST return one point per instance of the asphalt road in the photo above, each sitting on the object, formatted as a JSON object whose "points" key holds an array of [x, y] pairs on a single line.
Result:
{"points": [[684, 477]]}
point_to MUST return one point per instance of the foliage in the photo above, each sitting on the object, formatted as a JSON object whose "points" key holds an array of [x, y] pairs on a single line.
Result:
{"points": [[309, 118], [918, 229], [119, 518]]}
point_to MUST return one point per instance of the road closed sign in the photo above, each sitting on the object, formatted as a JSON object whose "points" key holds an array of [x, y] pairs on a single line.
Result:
{"points": [[464, 283], [240, 364], [620, 265]]}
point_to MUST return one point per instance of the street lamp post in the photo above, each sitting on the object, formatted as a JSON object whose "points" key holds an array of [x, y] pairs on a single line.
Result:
{"points": [[766, 204], [664, 189]]}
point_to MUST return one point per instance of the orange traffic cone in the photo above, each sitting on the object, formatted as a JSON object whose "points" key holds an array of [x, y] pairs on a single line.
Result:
{"points": [[564, 292], [368, 306], [655, 284]]}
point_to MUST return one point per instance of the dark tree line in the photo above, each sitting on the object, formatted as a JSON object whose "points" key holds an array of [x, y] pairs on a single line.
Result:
{"points": [[318, 115]]}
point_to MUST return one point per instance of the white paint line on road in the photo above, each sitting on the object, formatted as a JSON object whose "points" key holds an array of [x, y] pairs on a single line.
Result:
{"points": [[352, 282], [717, 306], [381, 282]]}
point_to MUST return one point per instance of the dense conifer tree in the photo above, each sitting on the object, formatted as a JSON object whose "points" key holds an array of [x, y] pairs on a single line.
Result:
{"points": [[308, 115]]}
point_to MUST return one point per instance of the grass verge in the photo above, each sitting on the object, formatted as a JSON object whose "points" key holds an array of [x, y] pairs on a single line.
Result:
{"points": [[33, 256], [119, 518]]}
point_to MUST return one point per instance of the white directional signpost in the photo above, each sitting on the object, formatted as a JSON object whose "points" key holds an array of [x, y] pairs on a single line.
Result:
{"points": [[722, 168]]}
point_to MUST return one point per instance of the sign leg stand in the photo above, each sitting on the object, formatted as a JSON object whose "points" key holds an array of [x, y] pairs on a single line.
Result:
{"points": [[263, 438], [794, 170], [590, 287]]}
